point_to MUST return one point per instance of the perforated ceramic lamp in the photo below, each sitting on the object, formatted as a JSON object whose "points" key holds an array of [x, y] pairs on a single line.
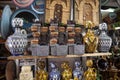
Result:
{"points": [[105, 42], [17, 42]]}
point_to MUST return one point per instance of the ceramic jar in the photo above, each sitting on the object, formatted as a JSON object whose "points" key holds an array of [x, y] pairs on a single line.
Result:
{"points": [[54, 74], [105, 41], [78, 71], [41, 73], [67, 71], [17, 42]]}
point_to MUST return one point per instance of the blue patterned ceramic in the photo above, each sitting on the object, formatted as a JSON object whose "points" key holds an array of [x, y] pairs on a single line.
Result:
{"points": [[24, 13], [104, 42], [54, 74], [17, 42], [5, 21], [38, 6], [78, 71]]}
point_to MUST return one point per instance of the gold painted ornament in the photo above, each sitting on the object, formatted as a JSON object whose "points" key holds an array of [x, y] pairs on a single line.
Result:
{"points": [[90, 40], [67, 72], [91, 73], [41, 74]]}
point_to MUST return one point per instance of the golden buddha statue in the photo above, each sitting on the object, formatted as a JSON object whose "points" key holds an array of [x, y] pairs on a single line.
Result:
{"points": [[90, 74], [90, 40], [67, 73], [41, 74]]}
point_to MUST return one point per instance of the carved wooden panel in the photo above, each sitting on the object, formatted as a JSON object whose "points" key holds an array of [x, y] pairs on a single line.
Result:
{"points": [[87, 12], [58, 12]]}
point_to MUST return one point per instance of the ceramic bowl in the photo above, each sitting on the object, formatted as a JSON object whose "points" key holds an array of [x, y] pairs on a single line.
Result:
{"points": [[27, 15], [23, 3], [38, 6]]}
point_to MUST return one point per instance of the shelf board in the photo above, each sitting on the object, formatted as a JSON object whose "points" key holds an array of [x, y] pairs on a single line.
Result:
{"points": [[67, 56]]}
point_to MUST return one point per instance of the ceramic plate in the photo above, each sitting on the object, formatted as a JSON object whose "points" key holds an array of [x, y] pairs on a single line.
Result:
{"points": [[38, 6], [27, 15], [23, 3], [5, 21]]}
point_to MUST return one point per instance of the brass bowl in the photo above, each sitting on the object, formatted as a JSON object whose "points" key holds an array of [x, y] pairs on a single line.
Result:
{"points": [[53, 41], [61, 29], [36, 34], [44, 29], [52, 28], [34, 28], [34, 41], [71, 34], [77, 29], [71, 41], [70, 29]]}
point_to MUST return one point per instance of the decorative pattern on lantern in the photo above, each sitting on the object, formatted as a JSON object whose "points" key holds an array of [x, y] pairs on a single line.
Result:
{"points": [[17, 42], [54, 74], [105, 41]]}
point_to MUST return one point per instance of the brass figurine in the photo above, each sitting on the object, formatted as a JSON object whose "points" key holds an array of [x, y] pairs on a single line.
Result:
{"points": [[67, 72], [90, 74], [90, 40], [41, 74]]}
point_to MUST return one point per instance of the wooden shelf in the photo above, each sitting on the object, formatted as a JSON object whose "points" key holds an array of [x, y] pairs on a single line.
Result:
{"points": [[67, 56]]}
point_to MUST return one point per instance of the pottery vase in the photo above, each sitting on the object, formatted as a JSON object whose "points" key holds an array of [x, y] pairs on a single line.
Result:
{"points": [[78, 71], [17, 42], [105, 42], [55, 73]]}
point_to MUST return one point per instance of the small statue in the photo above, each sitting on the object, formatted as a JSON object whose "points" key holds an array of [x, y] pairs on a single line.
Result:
{"points": [[54, 74], [78, 71], [67, 73], [26, 73], [90, 74], [41, 74], [90, 40]]}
